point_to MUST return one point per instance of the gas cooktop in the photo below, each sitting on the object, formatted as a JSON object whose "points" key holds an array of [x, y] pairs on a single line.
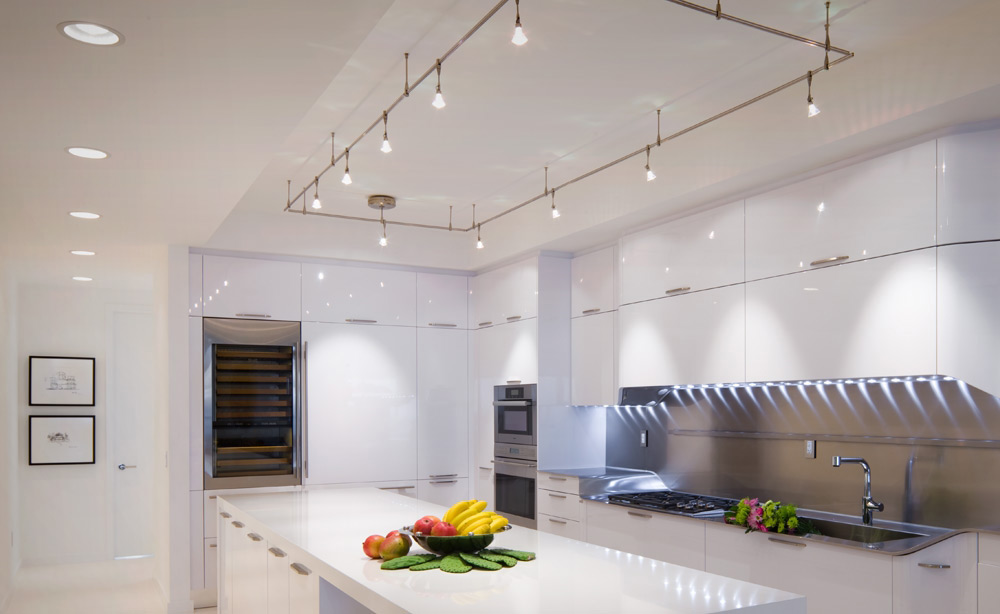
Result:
{"points": [[674, 502]]}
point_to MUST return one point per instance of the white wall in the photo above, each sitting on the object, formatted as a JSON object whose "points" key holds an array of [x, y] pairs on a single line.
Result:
{"points": [[63, 510], [8, 439]]}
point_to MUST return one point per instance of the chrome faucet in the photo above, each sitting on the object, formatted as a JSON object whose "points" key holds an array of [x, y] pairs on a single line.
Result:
{"points": [[868, 505]]}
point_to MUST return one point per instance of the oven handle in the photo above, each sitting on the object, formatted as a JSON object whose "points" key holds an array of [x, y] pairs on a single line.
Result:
{"points": [[524, 403], [505, 461]]}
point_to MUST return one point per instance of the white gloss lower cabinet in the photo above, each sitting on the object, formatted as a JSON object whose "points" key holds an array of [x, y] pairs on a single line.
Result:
{"points": [[593, 359], [989, 588], [939, 578], [864, 319], [361, 409], [833, 579], [248, 554], [303, 588], [673, 539], [277, 581], [696, 338], [442, 403], [445, 491], [572, 529]]}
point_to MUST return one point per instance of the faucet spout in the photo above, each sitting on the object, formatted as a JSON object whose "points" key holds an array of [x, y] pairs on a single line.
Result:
{"points": [[868, 504]]}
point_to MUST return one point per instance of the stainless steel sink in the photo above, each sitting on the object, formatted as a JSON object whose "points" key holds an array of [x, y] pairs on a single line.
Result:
{"points": [[859, 533]]}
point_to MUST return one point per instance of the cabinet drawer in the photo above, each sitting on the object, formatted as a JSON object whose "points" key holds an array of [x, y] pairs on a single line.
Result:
{"points": [[560, 504], [989, 549], [561, 526], [561, 483]]}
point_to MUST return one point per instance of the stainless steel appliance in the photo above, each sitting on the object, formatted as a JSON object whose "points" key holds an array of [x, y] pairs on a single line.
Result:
{"points": [[672, 502], [251, 411], [515, 454]]}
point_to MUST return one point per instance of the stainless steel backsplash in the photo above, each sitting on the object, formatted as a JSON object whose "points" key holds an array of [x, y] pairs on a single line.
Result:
{"points": [[933, 446]]}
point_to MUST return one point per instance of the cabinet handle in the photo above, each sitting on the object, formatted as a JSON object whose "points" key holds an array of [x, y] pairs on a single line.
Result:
{"points": [[444, 481], [396, 487], [676, 290], [595, 310], [253, 315], [225, 514], [554, 478], [304, 419], [444, 475], [213, 545], [238, 524], [513, 381], [278, 552], [787, 543], [638, 515], [301, 569], [443, 325], [552, 494], [934, 565], [557, 521], [210, 497], [828, 260], [485, 323], [359, 321], [512, 318], [486, 468], [255, 537]]}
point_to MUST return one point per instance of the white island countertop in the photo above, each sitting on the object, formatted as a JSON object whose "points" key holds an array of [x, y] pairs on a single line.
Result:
{"points": [[567, 576]]}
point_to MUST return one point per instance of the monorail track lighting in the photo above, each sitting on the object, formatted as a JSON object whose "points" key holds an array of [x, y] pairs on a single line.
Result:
{"points": [[519, 37]]}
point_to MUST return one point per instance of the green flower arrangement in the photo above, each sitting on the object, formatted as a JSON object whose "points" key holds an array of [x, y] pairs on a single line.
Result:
{"points": [[771, 516]]}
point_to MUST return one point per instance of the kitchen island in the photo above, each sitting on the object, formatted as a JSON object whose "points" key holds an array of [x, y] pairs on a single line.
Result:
{"points": [[301, 552]]}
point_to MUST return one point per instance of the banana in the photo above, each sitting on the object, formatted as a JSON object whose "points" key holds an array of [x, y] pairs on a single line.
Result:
{"points": [[473, 509], [498, 523], [482, 529], [476, 521], [468, 522], [457, 509]]}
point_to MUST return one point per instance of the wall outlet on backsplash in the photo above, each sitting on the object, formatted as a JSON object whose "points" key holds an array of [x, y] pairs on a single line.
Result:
{"points": [[644, 438], [810, 448]]}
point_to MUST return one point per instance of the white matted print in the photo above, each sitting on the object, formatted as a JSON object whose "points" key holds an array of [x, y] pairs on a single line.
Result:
{"points": [[61, 440], [59, 380]]}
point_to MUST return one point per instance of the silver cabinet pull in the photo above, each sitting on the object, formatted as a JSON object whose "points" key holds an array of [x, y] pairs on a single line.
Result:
{"points": [[444, 481], [123, 466], [301, 569], [934, 565], [828, 260], [557, 521], [213, 545], [238, 524], [486, 468], [676, 290], [225, 514], [485, 323], [442, 325], [360, 321], [253, 315], [210, 497], [304, 419], [278, 552], [396, 487], [512, 318], [552, 494], [255, 537], [554, 478], [787, 543], [638, 515], [513, 381], [595, 310], [444, 475]]}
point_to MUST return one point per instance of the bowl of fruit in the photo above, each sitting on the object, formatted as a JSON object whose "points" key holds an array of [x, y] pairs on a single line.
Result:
{"points": [[466, 527]]}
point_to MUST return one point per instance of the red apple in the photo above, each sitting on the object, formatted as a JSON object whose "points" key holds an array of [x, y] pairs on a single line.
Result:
{"points": [[394, 545], [443, 529], [372, 544], [425, 524]]}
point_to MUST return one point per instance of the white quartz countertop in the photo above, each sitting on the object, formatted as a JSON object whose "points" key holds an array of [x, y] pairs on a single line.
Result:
{"points": [[568, 575]]}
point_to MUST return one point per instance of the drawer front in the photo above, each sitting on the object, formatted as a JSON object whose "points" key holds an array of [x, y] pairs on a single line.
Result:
{"points": [[989, 549], [559, 483], [211, 570], [560, 526], [563, 505], [211, 516]]}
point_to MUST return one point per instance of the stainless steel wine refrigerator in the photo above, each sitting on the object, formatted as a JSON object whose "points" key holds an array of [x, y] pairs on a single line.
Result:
{"points": [[252, 422]]}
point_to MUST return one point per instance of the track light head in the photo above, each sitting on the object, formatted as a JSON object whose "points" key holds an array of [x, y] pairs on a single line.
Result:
{"points": [[479, 237], [650, 175], [519, 37], [812, 110], [346, 180], [386, 147], [555, 212], [438, 98], [316, 202]]}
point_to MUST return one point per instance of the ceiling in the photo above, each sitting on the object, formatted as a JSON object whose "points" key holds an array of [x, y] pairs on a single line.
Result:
{"points": [[208, 109]]}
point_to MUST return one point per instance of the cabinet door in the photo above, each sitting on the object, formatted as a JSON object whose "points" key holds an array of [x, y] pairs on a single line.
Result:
{"points": [[968, 333], [507, 294], [878, 207], [347, 293], [443, 491], [277, 581], [194, 285], [865, 319], [561, 526], [697, 338], [211, 564], [442, 403], [197, 541], [968, 187], [249, 594], [484, 489], [517, 344], [989, 588], [700, 251], [303, 588], [593, 359], [442, 300], [675, 540], [255, 289], [361, 415], [593, 282], [941, 578]]}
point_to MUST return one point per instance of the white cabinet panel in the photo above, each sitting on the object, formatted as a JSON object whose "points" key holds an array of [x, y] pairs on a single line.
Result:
{"points": [[197, 542], [483, 487], [561, 526], [255, 289], [877, 207], [361, 414], [704, 250], [667, 538], [559, 483], [303, 588], [989, 549], [969, 187], [506, 294], [442, 403], [593, 282], [277, 581], [968, 333], [865, 319], [442, 300], [443, 491], [249, 559], [196, 406], [989, 588], [697, 338], [345, 293], [940, 578], [560, 504], [593, 359], [211, 570], [194, 285]]}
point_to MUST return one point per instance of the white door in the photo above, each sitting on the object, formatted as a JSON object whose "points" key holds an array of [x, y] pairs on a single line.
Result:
{"points": [[130, 424]]}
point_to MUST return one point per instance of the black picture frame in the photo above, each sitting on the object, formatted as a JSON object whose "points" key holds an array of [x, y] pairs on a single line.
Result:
{"points": [[62, 440], [61, 381]]}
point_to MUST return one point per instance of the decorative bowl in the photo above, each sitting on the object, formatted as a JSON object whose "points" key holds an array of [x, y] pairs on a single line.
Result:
{"points": [[452, 543]]}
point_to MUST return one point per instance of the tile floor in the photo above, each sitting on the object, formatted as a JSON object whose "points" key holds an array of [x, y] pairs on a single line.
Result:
{"points": [[107, 587]]}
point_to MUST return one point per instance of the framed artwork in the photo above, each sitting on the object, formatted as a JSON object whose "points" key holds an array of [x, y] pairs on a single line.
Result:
{"points": [[61, 440], [59, 380]]}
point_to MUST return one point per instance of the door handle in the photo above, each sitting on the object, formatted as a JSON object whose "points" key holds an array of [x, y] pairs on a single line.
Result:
{"points": [[123, 467], [934, 565], [786, 543]]}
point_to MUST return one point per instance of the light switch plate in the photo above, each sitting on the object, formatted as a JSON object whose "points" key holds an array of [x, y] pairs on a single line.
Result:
{"points": [[810, 448], [644, 438]]}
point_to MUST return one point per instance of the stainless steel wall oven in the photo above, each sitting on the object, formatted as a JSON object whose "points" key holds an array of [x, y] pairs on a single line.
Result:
{"points": [[515, 453]]}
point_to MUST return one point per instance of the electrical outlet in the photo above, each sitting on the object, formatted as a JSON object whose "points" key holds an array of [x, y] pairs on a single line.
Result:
{"points": [[810, 448], [643, 438]]}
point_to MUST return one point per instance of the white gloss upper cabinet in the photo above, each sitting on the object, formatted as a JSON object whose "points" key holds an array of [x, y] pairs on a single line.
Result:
{"points": [[194, 285], [442, 300], [968, 187], [346, 293], [593, 282], [504, 295], [442, 403], [593, 359], [968, 330], [699, 251], [696, 338], [248, 288], [864, 319], [877, 207]]}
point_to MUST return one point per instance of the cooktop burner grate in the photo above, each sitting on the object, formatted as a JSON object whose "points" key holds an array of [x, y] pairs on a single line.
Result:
{"points": [[674, 502]]}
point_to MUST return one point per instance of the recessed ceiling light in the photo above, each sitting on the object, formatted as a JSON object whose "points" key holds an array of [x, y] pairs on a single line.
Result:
{"points": [[84, 215], [87, 152], [91, 33], [83, 279], [82, 252]]}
